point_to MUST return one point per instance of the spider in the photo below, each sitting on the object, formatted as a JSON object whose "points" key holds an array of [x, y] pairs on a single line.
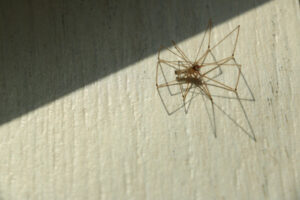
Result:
{"points": [[189, 74]]}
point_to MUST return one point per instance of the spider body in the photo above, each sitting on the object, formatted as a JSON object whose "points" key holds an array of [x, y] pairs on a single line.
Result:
{"points": [[191, 70], [197, 81]]}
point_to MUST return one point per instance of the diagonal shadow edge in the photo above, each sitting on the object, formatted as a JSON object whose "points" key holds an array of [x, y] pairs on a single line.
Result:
{"points": [[50, 50]]}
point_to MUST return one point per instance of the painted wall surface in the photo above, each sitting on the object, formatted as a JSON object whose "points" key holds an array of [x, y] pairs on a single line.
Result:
{"points": [[81, 117]]}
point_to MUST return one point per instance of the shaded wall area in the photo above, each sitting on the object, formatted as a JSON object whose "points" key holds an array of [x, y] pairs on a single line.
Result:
{"points": [[49, 48]]}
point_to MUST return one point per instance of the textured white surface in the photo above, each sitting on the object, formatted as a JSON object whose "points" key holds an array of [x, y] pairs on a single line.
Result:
{"points": [[113, 139]]}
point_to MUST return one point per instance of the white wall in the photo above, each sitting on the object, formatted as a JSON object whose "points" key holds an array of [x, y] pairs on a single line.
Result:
{"points": [[113, 139]]}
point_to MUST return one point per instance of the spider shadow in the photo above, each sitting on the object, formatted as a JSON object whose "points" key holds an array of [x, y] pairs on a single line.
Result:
{"points": [[210, 110], [250, 132]]}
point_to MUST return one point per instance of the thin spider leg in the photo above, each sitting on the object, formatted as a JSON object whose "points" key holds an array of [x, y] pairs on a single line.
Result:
{"points": [[209, 34], [223, 65], [168, 64], [212, 70], [239, 74], [202, 90], [205, 85], [176, 62], [158, 55], [189, 86], [181, 52], [226, 64], [205, 88], [161, 47], [178, 55], [218, 86], [203, 57], [237, 28], [219, 62], [186, 65], [238, 77], [156, 78], [236, 39], [165, 62], [208, 28], [190, 100], [200, 45], [174, 82], [218, 82], [157, 66], [181, 90], [219, 65], [205, 92]]}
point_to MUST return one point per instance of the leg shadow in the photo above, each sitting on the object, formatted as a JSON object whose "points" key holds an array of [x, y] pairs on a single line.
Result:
{"points": [[251, 98], [183, 105], [250, 133], [212, 116]]}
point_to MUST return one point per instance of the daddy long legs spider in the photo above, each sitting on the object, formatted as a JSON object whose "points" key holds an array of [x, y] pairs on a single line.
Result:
{"points": [[200, 72]]}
